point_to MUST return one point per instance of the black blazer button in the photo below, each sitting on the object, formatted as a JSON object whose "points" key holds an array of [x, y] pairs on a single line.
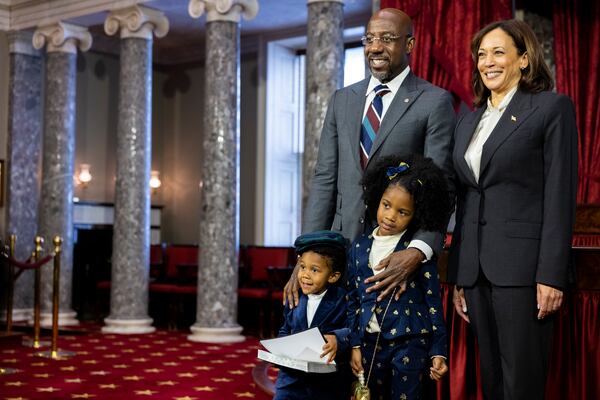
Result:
{"points": [[362, 220], [482, 221]]}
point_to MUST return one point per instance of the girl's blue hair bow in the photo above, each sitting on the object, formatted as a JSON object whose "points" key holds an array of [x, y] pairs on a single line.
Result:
{"points": [[392, 172]]}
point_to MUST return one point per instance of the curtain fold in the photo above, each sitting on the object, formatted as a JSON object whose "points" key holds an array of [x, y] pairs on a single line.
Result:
{"points": [[576, 43], [443, 30]]}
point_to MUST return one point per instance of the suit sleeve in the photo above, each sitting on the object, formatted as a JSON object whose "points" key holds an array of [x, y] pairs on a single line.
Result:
{"points": [[288, 316], [438, 147], [320, 207], [353, 299], [560, 191], [430, 284]]}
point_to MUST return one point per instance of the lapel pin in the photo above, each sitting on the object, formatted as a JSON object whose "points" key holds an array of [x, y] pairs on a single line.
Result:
{"points": [[406, 100], [513, 118]]}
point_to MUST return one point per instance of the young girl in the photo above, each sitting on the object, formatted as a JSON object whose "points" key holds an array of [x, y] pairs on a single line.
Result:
{"points": [[322, 261], [393, 340]]}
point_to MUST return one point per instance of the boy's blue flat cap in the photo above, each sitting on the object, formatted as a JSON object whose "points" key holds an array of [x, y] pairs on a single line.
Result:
{"points": [[319, 238]]}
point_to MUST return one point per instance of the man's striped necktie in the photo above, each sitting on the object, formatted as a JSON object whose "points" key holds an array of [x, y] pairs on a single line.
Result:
{"points": [[370, 124]]}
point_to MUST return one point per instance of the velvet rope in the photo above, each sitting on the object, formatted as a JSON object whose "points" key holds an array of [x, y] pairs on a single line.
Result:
{"points": [[27, 265]]}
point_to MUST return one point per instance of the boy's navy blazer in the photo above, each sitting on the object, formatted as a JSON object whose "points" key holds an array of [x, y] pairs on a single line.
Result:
{"points": [[418, 311], [330, 317]]}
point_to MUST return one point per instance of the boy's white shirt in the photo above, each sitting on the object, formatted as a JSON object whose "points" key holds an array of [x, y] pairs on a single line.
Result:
{"points": [[382, 247], [312, 304]]}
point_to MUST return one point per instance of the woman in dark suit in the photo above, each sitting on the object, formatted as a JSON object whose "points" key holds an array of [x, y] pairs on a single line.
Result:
{"points": [[515, 159]]}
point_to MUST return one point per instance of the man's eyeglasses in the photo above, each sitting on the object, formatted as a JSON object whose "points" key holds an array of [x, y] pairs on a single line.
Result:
{"points": [[385, 39]]}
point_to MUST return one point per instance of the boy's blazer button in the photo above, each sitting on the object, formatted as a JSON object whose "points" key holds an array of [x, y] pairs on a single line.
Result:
{"points": [[362, 220]]}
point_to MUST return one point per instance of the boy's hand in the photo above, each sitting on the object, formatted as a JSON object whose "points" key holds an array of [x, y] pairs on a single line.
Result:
{"points": [[356, 361], [438, 369], [330, 348]]}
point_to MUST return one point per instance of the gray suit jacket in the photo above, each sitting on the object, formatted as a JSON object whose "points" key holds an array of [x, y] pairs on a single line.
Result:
{"points": [[516, 222], [420, 119]]}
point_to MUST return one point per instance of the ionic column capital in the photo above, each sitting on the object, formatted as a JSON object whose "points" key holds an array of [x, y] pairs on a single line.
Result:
{"points": [[137, 22], [62, 37], [223, 10], [20, 42]]}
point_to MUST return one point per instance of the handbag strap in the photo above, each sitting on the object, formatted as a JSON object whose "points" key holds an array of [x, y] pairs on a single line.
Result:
{"points": [[378, 335]]}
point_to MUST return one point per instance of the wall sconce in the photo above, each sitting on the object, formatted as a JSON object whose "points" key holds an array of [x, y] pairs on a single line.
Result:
{"points": [[84, 177], [155, 181]]}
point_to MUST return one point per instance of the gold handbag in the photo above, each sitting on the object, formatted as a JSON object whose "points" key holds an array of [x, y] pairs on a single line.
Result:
{"points": [[359, 390]]}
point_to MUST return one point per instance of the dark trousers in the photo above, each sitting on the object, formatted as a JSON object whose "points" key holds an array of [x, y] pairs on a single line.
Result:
{"points": [[398, 367], [513, 343]]}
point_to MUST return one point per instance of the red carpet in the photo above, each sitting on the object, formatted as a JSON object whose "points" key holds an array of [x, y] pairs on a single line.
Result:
{"points": [[162, 365]]}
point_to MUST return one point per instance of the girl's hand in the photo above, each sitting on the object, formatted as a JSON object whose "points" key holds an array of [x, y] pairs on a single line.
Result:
{"points": [[356, 361], [330, 348], [438, 369], [460, 304]]}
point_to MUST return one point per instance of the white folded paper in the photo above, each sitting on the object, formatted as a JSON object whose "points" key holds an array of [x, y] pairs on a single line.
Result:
{"points": [[298, 351]]}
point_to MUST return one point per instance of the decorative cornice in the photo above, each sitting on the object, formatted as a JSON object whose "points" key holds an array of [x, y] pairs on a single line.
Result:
{"points": [[62, 37], [137, 22], [20, 42], [223, 10]]}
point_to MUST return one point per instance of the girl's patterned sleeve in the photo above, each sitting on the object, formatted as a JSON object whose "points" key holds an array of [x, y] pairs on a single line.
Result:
{"points": [[429, 279], [352, 298]]}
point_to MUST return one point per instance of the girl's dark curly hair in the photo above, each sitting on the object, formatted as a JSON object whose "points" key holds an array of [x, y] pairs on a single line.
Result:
{"points": [[424, 180]]}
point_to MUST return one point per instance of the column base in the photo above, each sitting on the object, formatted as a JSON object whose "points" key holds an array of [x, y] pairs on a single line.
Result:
{"points": [[64, 319], [216, 335], [18, 314], [128, 326]]}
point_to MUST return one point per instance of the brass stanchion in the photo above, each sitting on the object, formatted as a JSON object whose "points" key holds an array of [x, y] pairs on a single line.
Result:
{"points": [[11, 284], [36, 343], [54, 352]]}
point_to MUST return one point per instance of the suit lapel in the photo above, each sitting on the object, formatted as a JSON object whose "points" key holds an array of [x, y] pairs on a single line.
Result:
{"points": [[515, 114], [462, 141], [404, 98], [355, 108], [325, 306]]}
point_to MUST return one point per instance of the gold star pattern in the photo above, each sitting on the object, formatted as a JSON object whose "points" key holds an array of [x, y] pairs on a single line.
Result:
{"points": [[218, 361], [41, 375], [146, 392], [47, 389], [393, 331], [15, 383], [427, 275], [204, 388], [74, 380], [38, 364], [432, 311], [203, 368], [16, 398], [93, 362], [237, 372], [83, 396], [108, 386], [186, 358], [102, 373], [157, 354], [153, 370], [67, 368], [185, 398], [222, 379], [245, 394], [132, 378], [9, 360], [128, 351], [249, 365], [121, 366], [186, 375], [166, 383], [111, 356], [171, 364], [142, 359]]}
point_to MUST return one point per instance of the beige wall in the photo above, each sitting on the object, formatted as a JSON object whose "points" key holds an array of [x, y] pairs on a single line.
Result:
{"points": [[178, 94]]}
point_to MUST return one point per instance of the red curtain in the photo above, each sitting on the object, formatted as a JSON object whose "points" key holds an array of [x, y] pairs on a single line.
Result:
{"points": [[576, 44], [443, 30]]}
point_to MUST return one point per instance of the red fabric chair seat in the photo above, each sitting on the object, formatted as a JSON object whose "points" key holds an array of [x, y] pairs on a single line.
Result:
{"points": [[253, 293], [103, 285]]}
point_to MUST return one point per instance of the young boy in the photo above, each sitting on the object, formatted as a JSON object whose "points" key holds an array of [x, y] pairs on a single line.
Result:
{"points": [[322, 262]]}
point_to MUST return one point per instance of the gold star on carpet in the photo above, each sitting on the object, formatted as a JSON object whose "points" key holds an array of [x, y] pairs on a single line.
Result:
{"points": [[231, 356], [121, 366], [111, 356], [153, 370], [245, 394], [203, 368], [99, 373], [166, 383], [16, 398], [15, 383], [218, 361], [9, 351], [38, 364], [83, 353], [157, 354], [171, 364], [214, 347], [48, 389], [9, 360], [185, 398], [202, 352], [222, 379], [119, 343], [237, 372], [186, 375], [204, 389], [161, 341], [144, 346], [67, 368], [101, 348], [75, 345], [41, 375], [186, 358], [74, 380], [128, 351], [108, 386], [90, 362], [146, 392], [141, 359], [83, 396], [185, 345], [132, 378], [95, 340], [242, 351], [249, 365], [134, 339]]}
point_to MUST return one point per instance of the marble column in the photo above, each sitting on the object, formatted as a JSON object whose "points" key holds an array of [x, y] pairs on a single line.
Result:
{"points": [[23, 159], [56, 206], [216, 316], [324, 74], [131, 233]]}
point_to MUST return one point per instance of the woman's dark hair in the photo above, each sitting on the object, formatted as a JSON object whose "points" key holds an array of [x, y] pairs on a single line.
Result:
{"points": [[335, 256], [425, 182], [535, 78]]}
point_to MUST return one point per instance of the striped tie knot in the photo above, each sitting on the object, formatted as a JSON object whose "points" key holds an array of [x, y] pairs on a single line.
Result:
{"points": [[371, 122]]}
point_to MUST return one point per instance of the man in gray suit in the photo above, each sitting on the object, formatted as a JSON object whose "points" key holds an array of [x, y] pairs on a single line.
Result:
{"points": [[416, 117]]}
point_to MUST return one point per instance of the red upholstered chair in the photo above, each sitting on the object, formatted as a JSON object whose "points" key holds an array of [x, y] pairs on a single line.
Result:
{"points": [[254, 277]]}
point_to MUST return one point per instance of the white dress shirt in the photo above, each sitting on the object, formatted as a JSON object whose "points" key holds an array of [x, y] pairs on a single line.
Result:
{"points": [[312, 304], [484, 129]]}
